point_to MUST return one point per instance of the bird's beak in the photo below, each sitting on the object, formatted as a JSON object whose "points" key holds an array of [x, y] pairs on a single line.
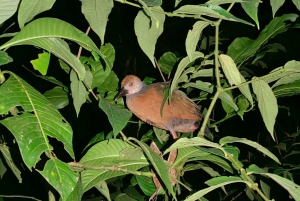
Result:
{"points": [[121, 93]]}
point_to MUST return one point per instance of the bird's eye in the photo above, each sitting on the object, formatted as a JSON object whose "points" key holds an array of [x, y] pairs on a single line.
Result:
{"points": [[130, 84]]}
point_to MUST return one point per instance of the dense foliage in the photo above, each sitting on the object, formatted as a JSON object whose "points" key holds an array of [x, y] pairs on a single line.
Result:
{"points": [[236, 59]]}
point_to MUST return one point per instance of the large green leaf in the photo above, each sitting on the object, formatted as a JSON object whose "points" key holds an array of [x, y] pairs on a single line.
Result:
{"points": [[148, 27], [267, 104], [30, 8], [118, 117], [229, 139], [37, 120], [108, 154], [242, 49], [52, 28], [96, 13], [7, 9], [60, 176], [167, 61]]}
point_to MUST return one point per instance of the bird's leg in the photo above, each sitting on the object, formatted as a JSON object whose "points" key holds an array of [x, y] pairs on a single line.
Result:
{"points": [[174, 135]]}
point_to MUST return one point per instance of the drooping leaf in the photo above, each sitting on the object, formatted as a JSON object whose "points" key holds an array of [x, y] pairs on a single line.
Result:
{"points": [[78, 91], [96, 13], [103, 189], [118, 117], [287, 79], [193, 37], [296, 3], [148, 28], [60, 176], [229, 139], [42, 63], [242, 49], [267, 104], [30, 8], [276, 4], [251, 8]]}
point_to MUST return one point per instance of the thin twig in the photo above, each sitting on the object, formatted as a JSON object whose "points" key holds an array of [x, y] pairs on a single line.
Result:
{"points": [[80, 48], [161, 74]]}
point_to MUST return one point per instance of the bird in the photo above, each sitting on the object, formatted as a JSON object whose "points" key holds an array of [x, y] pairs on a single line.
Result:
{"points": [[145, 101]]}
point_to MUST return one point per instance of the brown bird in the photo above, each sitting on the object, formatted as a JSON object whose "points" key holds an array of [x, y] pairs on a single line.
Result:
{"points": [[145, 101]]}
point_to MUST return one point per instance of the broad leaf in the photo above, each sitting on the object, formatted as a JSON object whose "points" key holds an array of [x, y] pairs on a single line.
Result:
{"points": [[167, 61], [37, 120], [30, 8], [96, 13], [4, 58], [290, 89], [267, 104], [60, 176], [118, 117], [251, 8], [148, 28], [103, 189], [106, 154], [276, 4], [297, 3]]}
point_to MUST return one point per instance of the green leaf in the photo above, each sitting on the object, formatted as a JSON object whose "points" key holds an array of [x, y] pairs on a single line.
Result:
{"points": [[3, 169], [290, 186], [167, 61], [243, 105], [107, 154], [153, 2], [45, 28], [38, 120], [205, 73], [242, 49], [196, 141], [230, 70], [211, 11], [297, 3], [97, 138], [118, 117], [60, 176], [265, 188], [64, 66], [96, 13], [203, 192], [79, 92], [58, 97], [146, 183], [290, 89], [276, 4], [228, 100], [8, 9], [159, 166], [222, 179], [219, 2], [9, 161], [287, 79], [267, 104], [103, 189], [148, 28], [182, 65], [204, 86], [77, 192], [227, 108], [30, 8], [229, 139], [193, 38], [4, 58], [42, 63], [251, 8]]}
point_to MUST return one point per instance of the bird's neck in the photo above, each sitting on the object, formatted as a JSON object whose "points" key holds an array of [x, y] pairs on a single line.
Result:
{"points": [[143, 89]]}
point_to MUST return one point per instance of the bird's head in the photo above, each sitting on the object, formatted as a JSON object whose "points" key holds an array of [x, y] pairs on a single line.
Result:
{"points": [[130, 85]]}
